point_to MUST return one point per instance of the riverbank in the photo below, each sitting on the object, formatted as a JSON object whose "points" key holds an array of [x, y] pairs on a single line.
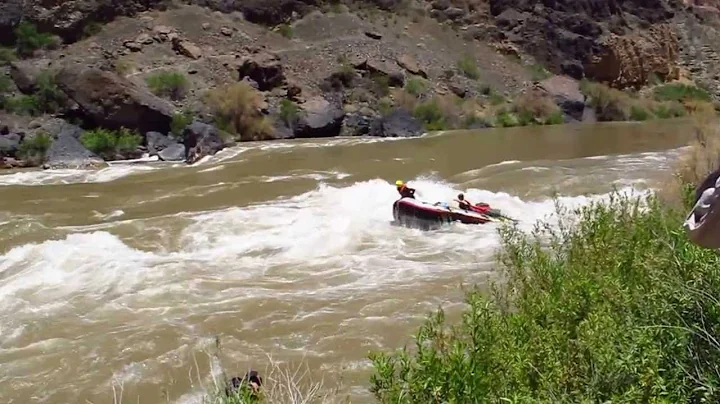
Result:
{"points": [[130, 84]]}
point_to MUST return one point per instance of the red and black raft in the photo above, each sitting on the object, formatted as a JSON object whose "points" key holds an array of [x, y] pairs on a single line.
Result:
{"points": [[410, 212]]}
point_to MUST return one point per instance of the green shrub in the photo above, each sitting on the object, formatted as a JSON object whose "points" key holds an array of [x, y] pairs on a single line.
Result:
{"points": [[34, 148], [385, 106], [667, 110], [495, 97], [681, 92], [180, 121], [29, 39], [380, 84], [48, 93], [7, 55], [538, 72], [108, 143], [91, 29], [289, 112], [638, 113], [285, 30], [416, 87], [609, 104], [167, 84], [506, 119], [23, 105], [555, 118], [431, 115], [5, 83], [236, 110], [613, 305], [468, 67]]}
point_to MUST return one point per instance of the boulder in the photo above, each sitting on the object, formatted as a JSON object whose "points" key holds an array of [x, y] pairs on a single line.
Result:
{"points": [[458, 89], [144, 39], [25, 73], [319, 118], [186, 48], [440, 4], [454, 13], [157, 142], [174, 152], [566, 93], [356, 124], [66, 151], [9, 145], [133, 46], [409, 63], [265, 69], [107, 100], [399, 123], [226, 31], [200, 140]]}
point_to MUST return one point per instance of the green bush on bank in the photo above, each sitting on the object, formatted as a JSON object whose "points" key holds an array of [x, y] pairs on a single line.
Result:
{"points": [[109, 143], [29, 39], [168, 84], [617, 306]]}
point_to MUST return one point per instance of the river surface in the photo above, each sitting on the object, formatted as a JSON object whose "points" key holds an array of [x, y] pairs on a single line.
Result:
{"points": [[122, 278]]}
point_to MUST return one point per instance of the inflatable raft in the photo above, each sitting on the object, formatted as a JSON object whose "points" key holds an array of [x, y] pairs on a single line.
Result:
{"points": [[410, 212]]}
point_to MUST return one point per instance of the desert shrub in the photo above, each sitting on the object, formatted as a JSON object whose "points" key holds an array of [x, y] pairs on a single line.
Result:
{"points": [[609, 104], [91, 29], [237, 109], [29, 39], [506, 119], [109, 143], [289, 112], [23, 105], [49, 95], [468, 67], [7, 55], [285, 30], [638, 113], [665, 110], [416, 86], [534, 107], [538, 72], [180, 121], [431, 115], [681, 93], [169, 84], [34, 148]]}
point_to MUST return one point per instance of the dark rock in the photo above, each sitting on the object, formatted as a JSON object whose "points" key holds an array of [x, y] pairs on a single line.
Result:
{"points": [[566, 93], [396, 79], [265, 69], [107, 100], [572, 68], [133, 46], [440, 4], [356, 124], [9, 145], [373, 34], [454, 13], [438, 15], [319, 118], [4, 130], [226, 31], [11, 12], [200, 140], [66, 151], [157, 142], [479, 124], [458, 89], [174, 152], [282, 131], [399, 123]]}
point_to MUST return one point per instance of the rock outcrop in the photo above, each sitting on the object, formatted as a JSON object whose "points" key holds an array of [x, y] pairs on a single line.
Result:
{"points": [[107, 100], [319, 118], [66, 18], [201, 140], [399, 123], [631, 60], [264, 69], [565, 92], [66, 151]]}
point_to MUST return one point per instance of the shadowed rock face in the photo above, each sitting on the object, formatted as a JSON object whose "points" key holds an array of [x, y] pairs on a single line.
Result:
{"points": [[568, 35], [107, 100], [67, 18]]}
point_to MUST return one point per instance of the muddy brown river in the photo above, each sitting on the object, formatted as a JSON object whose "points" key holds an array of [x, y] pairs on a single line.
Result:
{"points": [[123, 278]]}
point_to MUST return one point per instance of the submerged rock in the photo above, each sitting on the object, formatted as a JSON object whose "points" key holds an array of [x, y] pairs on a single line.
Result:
{"points": [[174, 152]]}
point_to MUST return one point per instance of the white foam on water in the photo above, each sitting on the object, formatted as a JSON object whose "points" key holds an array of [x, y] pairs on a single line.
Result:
{"points": [[71, 176]]}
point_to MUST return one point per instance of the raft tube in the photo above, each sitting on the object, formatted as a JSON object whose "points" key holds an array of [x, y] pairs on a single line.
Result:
{"points": [[410, 212]]}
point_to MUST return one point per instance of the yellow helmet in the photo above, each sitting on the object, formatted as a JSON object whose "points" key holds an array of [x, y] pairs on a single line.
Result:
{"points": [[398, 183]]}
